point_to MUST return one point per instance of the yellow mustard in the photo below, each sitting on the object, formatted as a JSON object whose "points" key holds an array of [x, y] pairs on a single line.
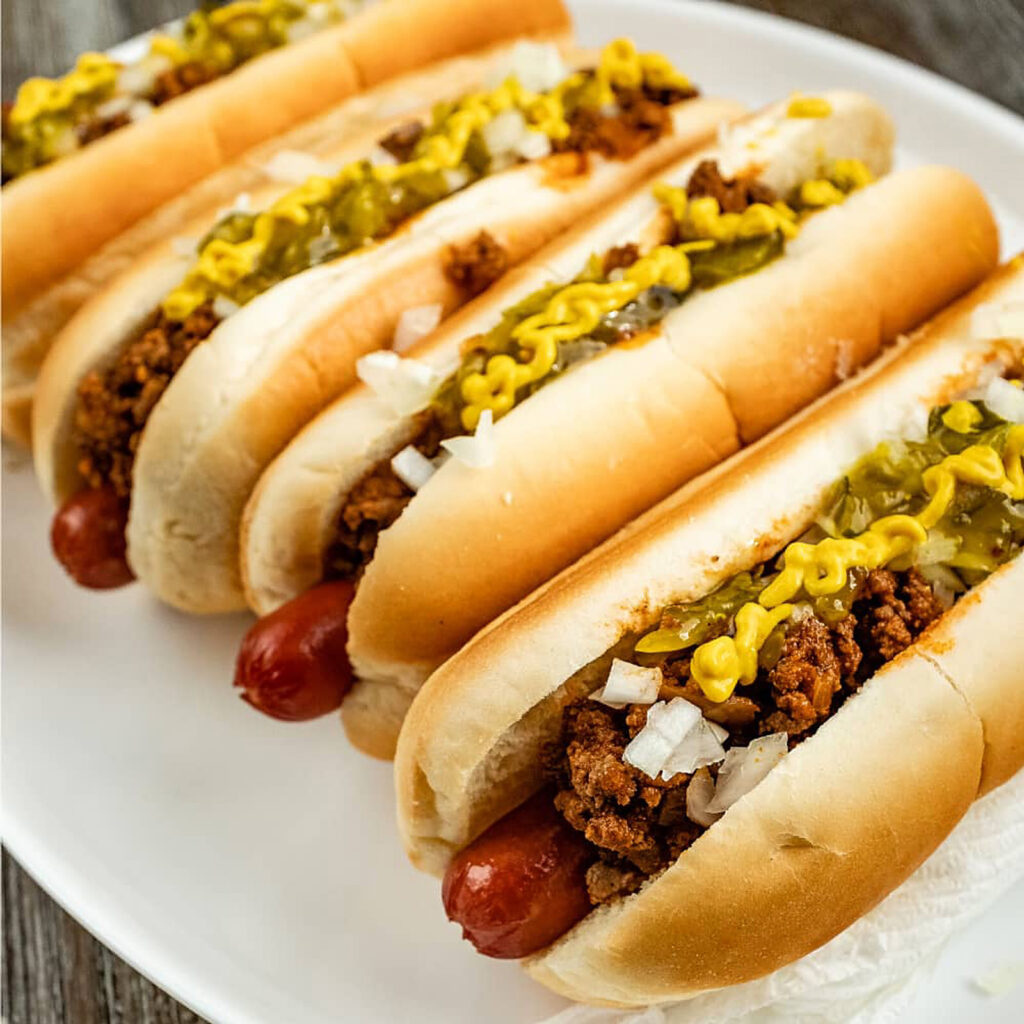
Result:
{"points": [[225, 37], [844, 177], [808, 106], [962, 417], [574, 311], [570, 313], [222, 264], [823, 568]]}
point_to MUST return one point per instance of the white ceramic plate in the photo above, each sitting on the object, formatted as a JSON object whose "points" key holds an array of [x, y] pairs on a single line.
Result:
{"points": [[251, 868]]}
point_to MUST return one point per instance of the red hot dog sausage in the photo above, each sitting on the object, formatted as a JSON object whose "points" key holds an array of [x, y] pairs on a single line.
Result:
{"points": [[521, 884], [292, 664], [87, 536]]}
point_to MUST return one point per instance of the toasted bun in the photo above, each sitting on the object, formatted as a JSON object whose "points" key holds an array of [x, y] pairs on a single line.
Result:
{"points": [[718, 373], [50, 228], [849, 814], [265, 371], [291, 518], [345, 132]]}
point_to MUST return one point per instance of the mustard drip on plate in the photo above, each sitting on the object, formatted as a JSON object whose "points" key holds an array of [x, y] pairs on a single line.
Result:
{"points": [[823, 568], [808, 106], [443, 148]]}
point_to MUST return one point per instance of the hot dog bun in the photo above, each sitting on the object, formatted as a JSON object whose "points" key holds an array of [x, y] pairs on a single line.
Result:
{"points": [[272, 365], [848, 814], [346, 131], [56, 218], [715, 375]]}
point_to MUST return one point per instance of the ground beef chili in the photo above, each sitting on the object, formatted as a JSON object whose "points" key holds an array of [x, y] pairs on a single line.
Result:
{"points": [[100, 126], [402, 140], [638, 826], [619, 257], [373, 505], [475, 266], [179, 80], [113, 405], [734, 195]]}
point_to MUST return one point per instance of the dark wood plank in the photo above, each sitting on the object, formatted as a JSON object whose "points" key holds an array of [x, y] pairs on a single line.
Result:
{"points": [[54, 972]]}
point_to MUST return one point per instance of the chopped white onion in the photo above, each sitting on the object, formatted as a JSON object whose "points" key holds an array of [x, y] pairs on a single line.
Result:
{"points": [[505, 132], [415, 323], [699, 793], [701, 746], [1005, 399], [945, 583], [629, 684], [140, 110], [533, 145], [455, 178], [998, 320], [412, 467], [745, 767], [114, 106], [292, 167], [803, 609], [938, 549], [404, 385], [538, 67], [223, 307], [667, 724], [478, 451]]}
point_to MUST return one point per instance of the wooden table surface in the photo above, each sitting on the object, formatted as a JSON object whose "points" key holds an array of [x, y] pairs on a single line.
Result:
{"points": [[54, 972]]}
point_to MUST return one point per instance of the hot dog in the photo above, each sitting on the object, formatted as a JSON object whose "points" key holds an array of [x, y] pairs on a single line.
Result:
{"points": [[666, 378], [763, 704], [175, 388], [88, 157]]}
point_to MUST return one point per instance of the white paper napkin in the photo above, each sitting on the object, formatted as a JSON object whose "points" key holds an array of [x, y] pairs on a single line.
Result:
{"points": [[869, 973]]}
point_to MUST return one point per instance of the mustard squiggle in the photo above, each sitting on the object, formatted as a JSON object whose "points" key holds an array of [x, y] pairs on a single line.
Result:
{"points": [[823, 568], [222, 263]]}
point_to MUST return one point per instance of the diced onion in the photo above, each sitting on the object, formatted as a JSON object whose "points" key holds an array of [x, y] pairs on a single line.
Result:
{"points": [[303, 28], [223, 307], [1006, 400], [455, 178], [538, 67], [533, 146], [291, 167], [140, 110], [745, 767], [938, 549], [998, 320], [667, 724], [478, 451], [415, 323], [505, 133], [629, 684], [404, 385], [699, 793], [380, 157], [412, 467], [701, 746], [945, 583], [114, 106]]}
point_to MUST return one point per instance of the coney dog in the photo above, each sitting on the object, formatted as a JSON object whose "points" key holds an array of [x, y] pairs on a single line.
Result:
{"points": [[725, 735], [347, 131], [179, 410], [358, 536], [88, 155]]}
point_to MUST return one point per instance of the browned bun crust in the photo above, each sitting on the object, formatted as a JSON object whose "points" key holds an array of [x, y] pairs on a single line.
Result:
{"points": [[345, 132], [848, 815], [57, 217], [390, 42], [720, 371]]}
